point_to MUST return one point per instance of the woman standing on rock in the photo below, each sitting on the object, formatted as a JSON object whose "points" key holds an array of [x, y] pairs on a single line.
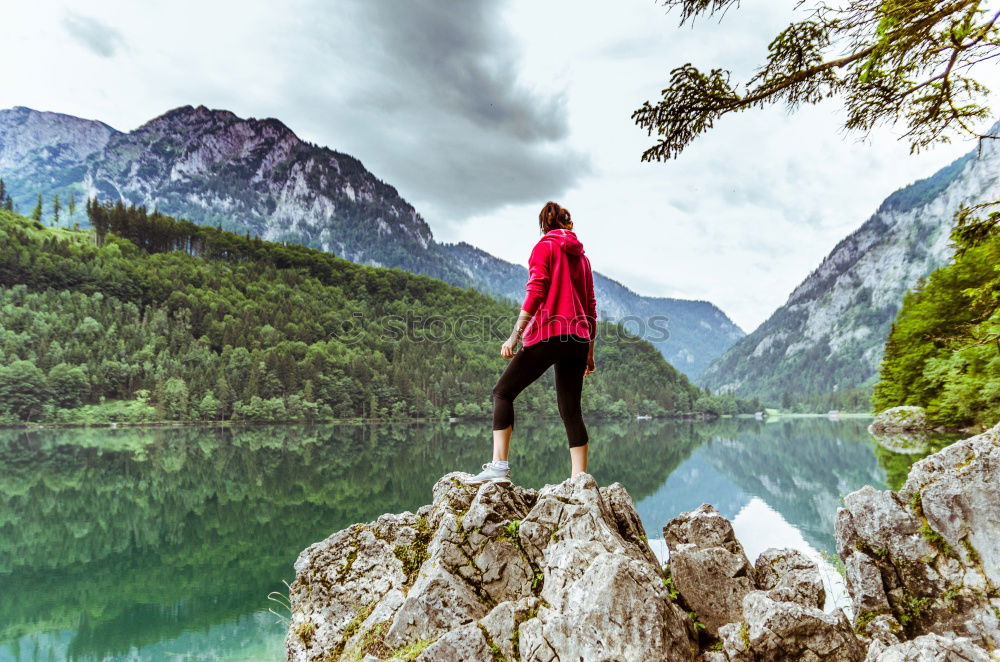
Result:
{"points": [[556, 326]]}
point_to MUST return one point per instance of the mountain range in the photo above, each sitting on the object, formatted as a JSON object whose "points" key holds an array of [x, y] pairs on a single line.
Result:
{"points": [[830, 334], [256, 176]]}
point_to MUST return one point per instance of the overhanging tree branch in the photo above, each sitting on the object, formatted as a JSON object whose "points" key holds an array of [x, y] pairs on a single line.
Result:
{"points": [[904, 60]]}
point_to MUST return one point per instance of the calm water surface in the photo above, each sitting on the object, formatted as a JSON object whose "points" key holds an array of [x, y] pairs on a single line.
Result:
{"points": [[163, 544]]}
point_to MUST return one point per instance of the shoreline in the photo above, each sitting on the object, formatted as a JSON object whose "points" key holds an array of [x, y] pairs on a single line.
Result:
{"points": [[368, 421], [856, 414]]}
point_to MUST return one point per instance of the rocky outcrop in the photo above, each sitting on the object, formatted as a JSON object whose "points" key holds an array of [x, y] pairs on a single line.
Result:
{"points": [[906, 418], [926, 560], [933, 648], [772, 629], [768, 611], [708, 567], [497, 570], [500, 572], [787, 575]]}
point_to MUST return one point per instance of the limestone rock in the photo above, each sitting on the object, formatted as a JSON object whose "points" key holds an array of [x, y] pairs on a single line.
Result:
{"points": [[438, 601], [627, 519], [494, 569], [929, 556], [789, 575], [341, 579], [958, 492], [933, 648], [617, 610], [565, 573], [464, 643], [773, 630], [882, 632], [501, 626], [899, 419], [708, 566]]}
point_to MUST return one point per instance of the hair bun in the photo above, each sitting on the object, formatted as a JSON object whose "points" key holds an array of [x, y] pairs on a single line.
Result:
{"points": [[552, 217]]}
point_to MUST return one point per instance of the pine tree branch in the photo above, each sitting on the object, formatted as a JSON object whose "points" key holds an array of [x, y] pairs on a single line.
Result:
{"points": [[693, 100]]}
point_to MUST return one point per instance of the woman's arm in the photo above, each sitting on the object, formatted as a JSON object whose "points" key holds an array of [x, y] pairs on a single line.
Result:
{"points": [[591, 319], [536, 290], [538, 278]]}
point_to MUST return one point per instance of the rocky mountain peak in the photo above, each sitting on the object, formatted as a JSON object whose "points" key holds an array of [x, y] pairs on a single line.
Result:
{"points": [[67, 139], [190, 124], [191, 115], [29, 117]]}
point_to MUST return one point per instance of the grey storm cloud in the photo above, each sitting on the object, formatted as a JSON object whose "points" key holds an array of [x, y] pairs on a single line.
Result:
{"points": [[427, 92], [95, 36]]}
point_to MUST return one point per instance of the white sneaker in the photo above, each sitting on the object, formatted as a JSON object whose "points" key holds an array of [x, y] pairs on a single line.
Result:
{"points": [[490, 473]]}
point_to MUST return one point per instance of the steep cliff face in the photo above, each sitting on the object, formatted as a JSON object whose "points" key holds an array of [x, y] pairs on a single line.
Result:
{"points": [[830, 333], [257, 176]]}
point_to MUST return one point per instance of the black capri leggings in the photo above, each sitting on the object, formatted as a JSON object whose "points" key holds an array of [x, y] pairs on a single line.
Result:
{"points": [[569, 355]]}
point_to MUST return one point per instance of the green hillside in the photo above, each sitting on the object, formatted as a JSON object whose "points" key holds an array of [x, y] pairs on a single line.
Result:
{"points": [[186, 322]]}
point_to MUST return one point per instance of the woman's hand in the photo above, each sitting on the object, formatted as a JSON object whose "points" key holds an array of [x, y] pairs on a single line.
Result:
{"points": [[509, 346], [591, 368]]}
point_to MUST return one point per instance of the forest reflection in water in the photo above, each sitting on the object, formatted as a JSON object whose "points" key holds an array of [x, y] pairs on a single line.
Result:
{"points": [[163, 543]]}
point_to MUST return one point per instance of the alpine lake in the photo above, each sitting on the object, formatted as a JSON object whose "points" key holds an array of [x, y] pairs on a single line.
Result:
{"points": [[165, 543]]}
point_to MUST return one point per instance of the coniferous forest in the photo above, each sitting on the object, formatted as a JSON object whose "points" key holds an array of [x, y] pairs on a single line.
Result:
{"points": [[147, 318]]}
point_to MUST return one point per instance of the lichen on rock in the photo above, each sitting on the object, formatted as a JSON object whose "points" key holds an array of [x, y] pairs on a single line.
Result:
{"points": [[502, 573], [928, 556], [490, 572]]}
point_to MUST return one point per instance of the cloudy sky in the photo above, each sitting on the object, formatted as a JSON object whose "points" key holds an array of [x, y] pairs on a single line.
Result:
{"points": [[480, 111]]}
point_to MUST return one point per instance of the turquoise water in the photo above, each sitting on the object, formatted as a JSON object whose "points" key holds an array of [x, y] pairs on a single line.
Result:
{"points": [[164, 543]]}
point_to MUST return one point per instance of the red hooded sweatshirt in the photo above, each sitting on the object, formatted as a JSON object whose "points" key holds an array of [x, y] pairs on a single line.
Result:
{"points": [[560, 290]]}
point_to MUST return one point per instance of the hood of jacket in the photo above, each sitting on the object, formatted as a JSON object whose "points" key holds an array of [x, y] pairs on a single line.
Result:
{"points": [[565, 239]]}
